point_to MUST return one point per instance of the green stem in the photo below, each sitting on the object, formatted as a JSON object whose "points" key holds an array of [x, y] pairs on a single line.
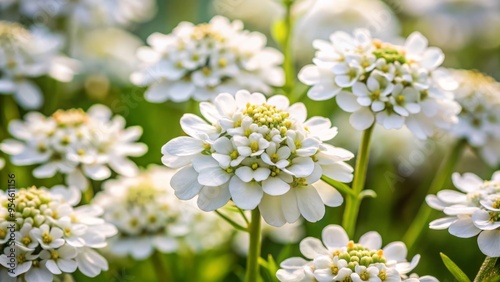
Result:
{"points": [[162, 271], [233, 223], [354, 201], [488, 270], [442, 177], [288, 64], [88, 194], [342, 187], [252, 273]]}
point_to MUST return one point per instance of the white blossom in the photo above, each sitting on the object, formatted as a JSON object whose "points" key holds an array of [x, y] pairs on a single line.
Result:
{"points": [[76, 144], [283, 158], [336, 258], [45, 224], [25, 55], [475, 211], [393, 85], [201, 61], [150, 218]]}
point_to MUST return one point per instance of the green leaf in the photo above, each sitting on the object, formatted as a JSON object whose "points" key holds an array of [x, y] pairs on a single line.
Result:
{"points": [[454, 269]]}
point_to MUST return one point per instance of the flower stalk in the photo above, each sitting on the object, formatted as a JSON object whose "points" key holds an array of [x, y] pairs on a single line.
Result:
{"points": [[288, 64], [252, 273], [353, 201], [161, 270], [488, 269], [442, 177]]}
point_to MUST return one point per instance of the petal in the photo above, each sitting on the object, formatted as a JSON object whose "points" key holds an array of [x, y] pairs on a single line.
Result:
{"points": [[416, 43], [395, 251], [225, 104], [184, 146], [157, 92], [451, 197], [310, 204], [338, 171], [212, 198], [301, 166], [361, 119], [97, 172], [334, 237], [181, 91], [464, 228], [245, 173], [309, 74], [290, 207], [312, 247], [194, 125], [270, 208], [468, 182], [442, 223], [185, 183], [329, 195], [371, 240], [245, 195], [348, 102], [489, 243], [45, 171], [28, 95], [215, 176], [274, 186]]}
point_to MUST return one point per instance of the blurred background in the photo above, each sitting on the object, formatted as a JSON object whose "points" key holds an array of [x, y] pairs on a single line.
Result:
{"points": [[401, 167]]}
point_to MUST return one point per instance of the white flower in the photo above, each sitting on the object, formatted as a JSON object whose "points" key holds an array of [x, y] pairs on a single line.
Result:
{"points": [[75, 143], [394, 85], [200, 61], [475, 212], [45, 225], [283, 158], [28, 54], [149, 217], [479, 120], [338, 259]]}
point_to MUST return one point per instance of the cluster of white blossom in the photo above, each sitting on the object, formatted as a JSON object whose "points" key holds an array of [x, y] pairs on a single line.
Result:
{"points": [[50, 236], [475, 211], [258, 152], [479, 120], [339, 259], [392, 84], [149, 217], [201, 61], [25, 55], [85, 12], [75, 143]]}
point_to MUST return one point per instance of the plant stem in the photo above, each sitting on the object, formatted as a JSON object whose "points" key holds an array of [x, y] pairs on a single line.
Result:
{"points": [[442, 177], [233, 223], [252, 273], [288, 64], [488, 270], [162, 272], [353, 201]]}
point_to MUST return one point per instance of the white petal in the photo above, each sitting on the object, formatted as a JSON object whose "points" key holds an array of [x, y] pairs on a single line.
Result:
{"points": [[184, 146], [395, 251], [274, 186], [290, 207], [329, 195], [185, 183], [245, 195], [181, 91], [489, 243], [309, 75], [158, 92], [371, 240], [338, 171], [28, 95], [451, 197], [97, 172], [301, 166], [361, 119], [45, 171], [212, 198], [348, 102], [464, 228], [270, 208], [194, 125], [468, 182], [334, 237], [312, 247], [245, 173], [310, 204], [442, 223]]}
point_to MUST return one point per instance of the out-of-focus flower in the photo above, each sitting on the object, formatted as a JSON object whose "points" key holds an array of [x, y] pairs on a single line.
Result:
{"points": [[319, 18], [51, 237], [28, 54], [453, 24], [479, 120], [88, 12], [258, 152], [201, 61], [476, 211], [149, 217], [377, 81], [339, 259], [2, 163], [75, 143]]}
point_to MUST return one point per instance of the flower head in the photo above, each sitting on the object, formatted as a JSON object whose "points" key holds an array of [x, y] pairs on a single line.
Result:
{"points": [[339, 259], [258, 152], [51, 237], [149, 217], [28, 54], [479, 120], [76, 143], [200, 61], [475, 211], [377, 81]]}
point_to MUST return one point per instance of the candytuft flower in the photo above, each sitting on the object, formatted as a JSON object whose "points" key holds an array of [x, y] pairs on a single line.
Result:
{"points": [[377, 81], [75, 143], [28, 54], [479, 120], [201, 61], [475, 211], [339, 259], [149, 217], [51, 236], [260, 153]]}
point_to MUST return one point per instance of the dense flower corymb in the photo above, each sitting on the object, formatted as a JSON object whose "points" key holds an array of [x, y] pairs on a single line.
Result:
{"points": [[201, 61], [476, 211], [479, 120], [374, 80], [75, 143], [149, 217], [51, 237], [258, 152], [28, 54], [339, 259]]}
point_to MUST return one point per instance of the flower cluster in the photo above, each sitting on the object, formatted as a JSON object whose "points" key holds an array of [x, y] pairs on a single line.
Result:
{"points": [[51, 237], [75, 143], [392, 84], [28, 54], [479, 120], [258, 152], [476, 211], [200, 61], [344, 260], [149, 217]]}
